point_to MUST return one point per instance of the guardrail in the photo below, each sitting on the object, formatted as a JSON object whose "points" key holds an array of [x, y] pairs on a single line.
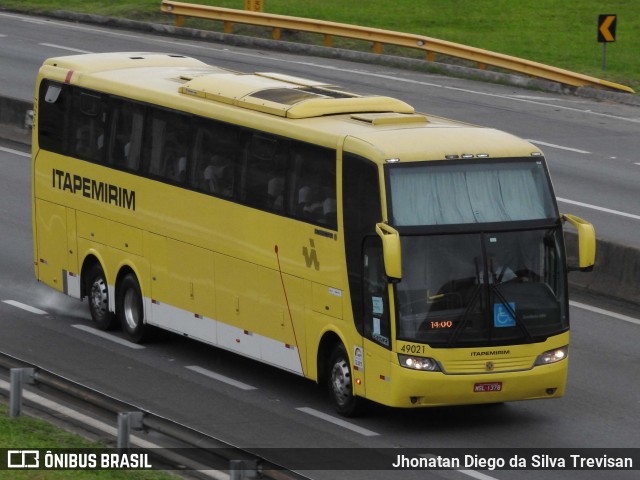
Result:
{"points": [[190, 450], [379, 37]]}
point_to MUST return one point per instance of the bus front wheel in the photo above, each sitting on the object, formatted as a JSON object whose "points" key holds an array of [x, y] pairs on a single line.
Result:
{"points": [[340, 383], [98, 293], [129, 308]]}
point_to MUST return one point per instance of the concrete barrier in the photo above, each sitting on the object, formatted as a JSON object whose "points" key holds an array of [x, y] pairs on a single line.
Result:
{"points": [[616, 274]]}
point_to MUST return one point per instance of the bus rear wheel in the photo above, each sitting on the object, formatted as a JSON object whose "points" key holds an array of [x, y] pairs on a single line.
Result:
{"points": [[129, 308], [98, 293], [340, 383]]}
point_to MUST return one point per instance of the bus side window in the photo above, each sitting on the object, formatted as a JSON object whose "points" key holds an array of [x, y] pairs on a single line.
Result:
{"points": [[54, 105], [125, 140], [174, 153], [263, 163], [215, 159], [377, 324], [313, 195], [166, 146], [88, 126]]}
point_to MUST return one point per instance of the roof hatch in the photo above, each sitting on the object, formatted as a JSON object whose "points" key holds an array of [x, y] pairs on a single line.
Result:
{"points": [[287, 96]]}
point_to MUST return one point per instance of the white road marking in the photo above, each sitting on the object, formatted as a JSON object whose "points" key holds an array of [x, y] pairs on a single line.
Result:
{"points": [[477, 475], [470, 473], [601, 209], [221, 378], [23, 306], [608, 313], [62, 47], [560, 147], [15, 152], [33, 20], [107, 336], [339, 422]]}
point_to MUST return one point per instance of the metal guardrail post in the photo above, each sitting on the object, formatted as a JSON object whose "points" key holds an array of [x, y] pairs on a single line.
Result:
{"points": [[19, 376], [254, 5], [28, 119], [126, 422]]}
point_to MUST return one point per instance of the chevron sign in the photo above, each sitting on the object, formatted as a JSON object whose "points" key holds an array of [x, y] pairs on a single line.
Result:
{"points": [[607, 28]]}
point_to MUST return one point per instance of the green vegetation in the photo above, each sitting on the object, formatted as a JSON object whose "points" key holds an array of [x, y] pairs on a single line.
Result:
{"points": [[24, 433], [561, 34]]}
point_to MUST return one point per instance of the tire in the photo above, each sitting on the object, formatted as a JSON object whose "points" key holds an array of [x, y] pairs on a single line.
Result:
{"points": [[129, 308], [98, 293], [340, 384]]}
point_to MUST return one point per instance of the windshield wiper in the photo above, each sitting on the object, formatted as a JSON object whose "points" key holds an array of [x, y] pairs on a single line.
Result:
{"points": [[465, 316]]}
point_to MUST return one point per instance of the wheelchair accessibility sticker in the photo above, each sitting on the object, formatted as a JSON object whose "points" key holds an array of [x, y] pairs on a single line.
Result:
{"points": [[503, 316]]}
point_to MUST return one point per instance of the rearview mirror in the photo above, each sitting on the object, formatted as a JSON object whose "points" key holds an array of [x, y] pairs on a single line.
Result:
{"points": [[391, 250], [586, 242]]}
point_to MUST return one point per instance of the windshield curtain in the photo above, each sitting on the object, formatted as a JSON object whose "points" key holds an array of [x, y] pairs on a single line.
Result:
{"points": [[446, 193], [482, 289]]}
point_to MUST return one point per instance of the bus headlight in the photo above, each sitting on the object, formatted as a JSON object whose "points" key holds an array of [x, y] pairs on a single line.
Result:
{"points": [[552, 356], [418, 363]]}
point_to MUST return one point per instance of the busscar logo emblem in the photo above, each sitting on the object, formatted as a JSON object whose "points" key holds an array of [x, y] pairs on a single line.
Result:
{"points": [[489, 366], [311, 256]]}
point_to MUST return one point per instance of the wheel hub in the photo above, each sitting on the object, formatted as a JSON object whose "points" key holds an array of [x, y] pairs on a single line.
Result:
{"points": [[341, 382]]}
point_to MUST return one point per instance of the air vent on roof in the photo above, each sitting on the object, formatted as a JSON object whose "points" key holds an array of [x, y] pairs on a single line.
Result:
{"points": [[390, 118]]}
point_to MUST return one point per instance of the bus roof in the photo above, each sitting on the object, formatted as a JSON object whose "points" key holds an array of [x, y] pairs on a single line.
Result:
{"points": [[384, 126]]}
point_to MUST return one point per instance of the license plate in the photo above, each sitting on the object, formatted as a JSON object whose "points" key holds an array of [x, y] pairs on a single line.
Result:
{"points": [[487, 387]]}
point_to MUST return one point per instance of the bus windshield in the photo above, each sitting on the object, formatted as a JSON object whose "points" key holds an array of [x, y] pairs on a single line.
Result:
{"points": [[478, 286], [460, 192], [482, 288]]}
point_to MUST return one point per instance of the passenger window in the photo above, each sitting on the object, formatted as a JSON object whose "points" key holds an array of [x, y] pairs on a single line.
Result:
{"points": [[313, 184], [215, 159], [166, 146], [54, 104], [126, 135], [89, 127], [265, 172]]}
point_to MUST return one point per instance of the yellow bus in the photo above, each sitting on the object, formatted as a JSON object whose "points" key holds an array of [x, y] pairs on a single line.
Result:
{"points": [[393, 256]]}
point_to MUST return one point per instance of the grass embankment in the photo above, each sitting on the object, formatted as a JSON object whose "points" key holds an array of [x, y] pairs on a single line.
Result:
{"points": [[562, 34], [25, 433]]}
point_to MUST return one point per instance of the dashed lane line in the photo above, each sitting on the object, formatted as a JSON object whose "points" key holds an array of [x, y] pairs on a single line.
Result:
{"points": [[107, 336], [338, 421], [220, 378]]}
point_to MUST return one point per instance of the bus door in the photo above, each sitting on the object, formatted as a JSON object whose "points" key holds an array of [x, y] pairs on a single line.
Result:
{"points": [[376, 320], [368, 285]]}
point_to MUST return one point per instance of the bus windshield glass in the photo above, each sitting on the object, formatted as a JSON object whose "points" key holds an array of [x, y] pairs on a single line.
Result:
{"points": [[447, 193], [482, 289]]}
